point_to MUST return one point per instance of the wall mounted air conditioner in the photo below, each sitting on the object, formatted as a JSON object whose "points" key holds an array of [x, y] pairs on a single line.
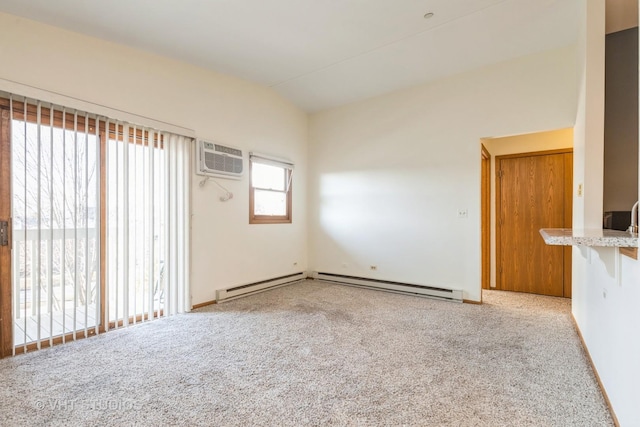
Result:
{"points": [[219, 160]]}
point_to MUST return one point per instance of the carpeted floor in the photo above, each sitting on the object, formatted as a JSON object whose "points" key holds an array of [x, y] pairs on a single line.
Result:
{"points": [[319, 354]]}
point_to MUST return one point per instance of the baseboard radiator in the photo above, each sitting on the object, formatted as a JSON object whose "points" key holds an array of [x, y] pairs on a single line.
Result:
{"points": [[389, 286], [253, 288]]}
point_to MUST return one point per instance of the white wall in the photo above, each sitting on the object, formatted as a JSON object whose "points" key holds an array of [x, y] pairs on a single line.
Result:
{"points": [[527, 143], [388, 175], [226, 250], [605, 307], [606, 287]]}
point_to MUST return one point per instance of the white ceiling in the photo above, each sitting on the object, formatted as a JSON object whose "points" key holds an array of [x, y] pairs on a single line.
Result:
{"points": [[322, 53]]}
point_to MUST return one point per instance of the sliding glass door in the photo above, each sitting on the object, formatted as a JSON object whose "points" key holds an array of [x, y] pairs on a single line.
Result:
{"points": [[94, 224], [137, 219], [55, 213], [147, 198], [6, 318]]}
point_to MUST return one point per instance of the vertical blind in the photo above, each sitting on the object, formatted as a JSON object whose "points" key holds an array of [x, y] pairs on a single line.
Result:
{"points": [[148, 224], [100, 222], [55, 275]]}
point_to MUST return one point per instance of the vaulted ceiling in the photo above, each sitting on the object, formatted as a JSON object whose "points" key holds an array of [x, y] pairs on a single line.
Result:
{"points": [[322, 53]]}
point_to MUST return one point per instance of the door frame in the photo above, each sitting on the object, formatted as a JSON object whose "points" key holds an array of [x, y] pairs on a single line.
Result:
{"points": [[568, 211], [485, 209], [6, 313]]}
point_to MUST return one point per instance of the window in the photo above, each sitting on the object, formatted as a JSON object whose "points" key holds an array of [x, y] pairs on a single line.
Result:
{"points": [[270, 190]]}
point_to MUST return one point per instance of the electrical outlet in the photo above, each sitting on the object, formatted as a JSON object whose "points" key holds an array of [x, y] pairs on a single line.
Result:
{"points": [[463, 213], [580, 190], [373, 267]]}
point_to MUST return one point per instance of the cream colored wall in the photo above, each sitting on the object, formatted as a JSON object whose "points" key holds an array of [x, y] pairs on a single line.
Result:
{"points": [[389, 174], [528, 143], [226, 250]]}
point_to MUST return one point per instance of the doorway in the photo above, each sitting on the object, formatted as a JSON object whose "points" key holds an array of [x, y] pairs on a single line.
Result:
{"points": [[533, 191], [50, 257], [65, 179]]}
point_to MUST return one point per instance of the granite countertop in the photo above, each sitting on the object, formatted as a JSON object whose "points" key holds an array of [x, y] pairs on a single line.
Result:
{"points": [[589, 237]]}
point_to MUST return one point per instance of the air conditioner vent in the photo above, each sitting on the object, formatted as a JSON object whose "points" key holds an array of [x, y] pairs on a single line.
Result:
{"points": [[222, 163], [228, 150], [219, 160]]}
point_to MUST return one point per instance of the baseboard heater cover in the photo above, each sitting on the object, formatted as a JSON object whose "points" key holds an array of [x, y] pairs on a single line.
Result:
{"points": [[390, 286], [255, 287]]}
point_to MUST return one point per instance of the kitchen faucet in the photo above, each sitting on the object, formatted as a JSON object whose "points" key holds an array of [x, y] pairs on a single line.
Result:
{"points": [[633, 228]]}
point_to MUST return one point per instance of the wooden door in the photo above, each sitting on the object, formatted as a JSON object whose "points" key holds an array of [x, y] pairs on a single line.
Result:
{"points": [[533, 191], [6, 319]]}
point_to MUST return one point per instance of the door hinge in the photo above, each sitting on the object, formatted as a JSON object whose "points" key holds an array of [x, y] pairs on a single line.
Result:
{"points": [[4, 233], [500, 173]]}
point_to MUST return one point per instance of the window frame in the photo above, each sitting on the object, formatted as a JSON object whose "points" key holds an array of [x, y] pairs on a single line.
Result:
{"points": [[270, 219]]}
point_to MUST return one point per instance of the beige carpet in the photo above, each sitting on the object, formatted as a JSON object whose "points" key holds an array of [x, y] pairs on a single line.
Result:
{"points": [[319, 354]]}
